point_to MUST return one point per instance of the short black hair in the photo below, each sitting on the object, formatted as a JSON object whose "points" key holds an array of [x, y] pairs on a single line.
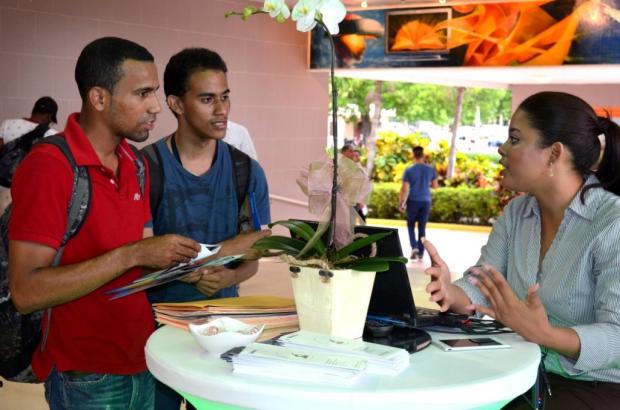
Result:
{"points": [[418, 152], [46, 105], [100, 62], [185, 63], [348, 146]]}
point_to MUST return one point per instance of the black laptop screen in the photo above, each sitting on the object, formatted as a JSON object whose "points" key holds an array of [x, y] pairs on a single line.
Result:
{"points": [[391, 292]]}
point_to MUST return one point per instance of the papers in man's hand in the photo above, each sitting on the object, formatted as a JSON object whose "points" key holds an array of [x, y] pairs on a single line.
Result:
{"points": [[265, 360], [381, 359], [176, 272]]}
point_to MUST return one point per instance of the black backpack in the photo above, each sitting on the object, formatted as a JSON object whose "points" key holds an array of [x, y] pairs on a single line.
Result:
{"points": [[20, 334], [14, 151], [241, 177]]}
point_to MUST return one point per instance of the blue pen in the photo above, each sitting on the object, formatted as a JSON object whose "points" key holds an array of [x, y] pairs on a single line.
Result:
{"points": [[255, 218], [389, 320]]}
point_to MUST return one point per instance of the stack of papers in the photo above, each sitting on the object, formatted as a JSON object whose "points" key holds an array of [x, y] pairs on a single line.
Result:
{"points": [[277, 314], [285, 363], [160, 277], [381, 359]]}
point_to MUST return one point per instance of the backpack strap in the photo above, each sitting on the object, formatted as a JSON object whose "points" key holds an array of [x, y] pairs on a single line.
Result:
{"points": [[81, 193], [156, 174], [140, 168], [27, 140], [242, 166]]}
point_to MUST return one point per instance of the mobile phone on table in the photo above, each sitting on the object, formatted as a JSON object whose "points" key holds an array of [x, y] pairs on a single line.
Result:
{"points": [[472, 343]]}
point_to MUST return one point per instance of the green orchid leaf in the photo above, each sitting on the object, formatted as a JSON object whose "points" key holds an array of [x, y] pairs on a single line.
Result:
{"points": [[360, 243], [291, 246], [381, 263], [314, 242], [304, 231], [299, 228]]}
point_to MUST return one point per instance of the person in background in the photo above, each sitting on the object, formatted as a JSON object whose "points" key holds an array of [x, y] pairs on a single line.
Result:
{"points": [[415, 199], [44, 112], [550, 269], [199, 198], [239, 137]]}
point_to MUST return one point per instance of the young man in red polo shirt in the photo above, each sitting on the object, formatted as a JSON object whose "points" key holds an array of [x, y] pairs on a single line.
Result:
{"points": [[94, 353]]}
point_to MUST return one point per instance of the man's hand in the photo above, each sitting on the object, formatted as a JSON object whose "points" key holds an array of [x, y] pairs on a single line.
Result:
{"points": [[215, 278], [242, 244], [160, 252]]}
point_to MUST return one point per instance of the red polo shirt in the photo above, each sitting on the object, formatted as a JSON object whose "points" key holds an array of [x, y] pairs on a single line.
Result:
{"points": [[92, 333]]}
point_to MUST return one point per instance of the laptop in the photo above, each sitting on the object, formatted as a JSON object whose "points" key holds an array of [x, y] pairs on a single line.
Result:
{"points": [[391, 292]]}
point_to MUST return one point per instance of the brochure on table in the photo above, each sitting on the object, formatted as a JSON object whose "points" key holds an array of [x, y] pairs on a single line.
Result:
{"points": [[319, 359]]}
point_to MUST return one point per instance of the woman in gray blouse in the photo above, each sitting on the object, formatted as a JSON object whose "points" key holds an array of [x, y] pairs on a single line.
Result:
{"points": [[551, 267]]}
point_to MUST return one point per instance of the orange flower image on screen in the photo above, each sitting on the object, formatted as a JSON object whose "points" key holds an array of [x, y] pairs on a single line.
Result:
{"points": [[517, 33], [416, 35]]}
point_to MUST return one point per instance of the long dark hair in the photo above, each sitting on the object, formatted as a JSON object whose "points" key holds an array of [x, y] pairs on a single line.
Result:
{"points": [[565, 118]]}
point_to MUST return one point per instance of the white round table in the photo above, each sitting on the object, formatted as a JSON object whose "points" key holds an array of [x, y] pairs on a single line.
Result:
{"points": [[434, 380]]}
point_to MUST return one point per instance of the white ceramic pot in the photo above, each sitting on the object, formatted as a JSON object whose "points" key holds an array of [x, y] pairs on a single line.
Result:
{"points": [[333, 302]]}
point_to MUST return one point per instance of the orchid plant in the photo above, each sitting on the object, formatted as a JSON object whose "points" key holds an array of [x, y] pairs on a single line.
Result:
{"points": [[307, 243]]}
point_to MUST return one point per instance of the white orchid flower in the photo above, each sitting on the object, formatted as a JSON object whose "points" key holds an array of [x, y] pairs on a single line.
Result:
{"points": [[304, 13], [277, 9], [332, 12]]}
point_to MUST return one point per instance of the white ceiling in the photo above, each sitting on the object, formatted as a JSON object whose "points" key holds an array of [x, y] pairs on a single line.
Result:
{"points": [[494, 77]]}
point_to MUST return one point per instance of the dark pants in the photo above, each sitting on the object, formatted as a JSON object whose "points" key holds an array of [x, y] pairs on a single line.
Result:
{"points": [[567, 394], [417, 212], [71, 391], [167, 398]]}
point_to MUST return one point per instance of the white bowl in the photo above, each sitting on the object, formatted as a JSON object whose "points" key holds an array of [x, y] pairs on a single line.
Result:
{"points": [[230, 333]]}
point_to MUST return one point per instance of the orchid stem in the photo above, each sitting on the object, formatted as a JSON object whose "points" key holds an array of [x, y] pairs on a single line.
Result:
{"points": [[332, 218]]}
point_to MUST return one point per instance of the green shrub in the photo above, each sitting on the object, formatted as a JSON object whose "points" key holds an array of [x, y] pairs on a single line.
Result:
{"points": [[394, 155], [393, 149], [384, 201], [452, 205]]}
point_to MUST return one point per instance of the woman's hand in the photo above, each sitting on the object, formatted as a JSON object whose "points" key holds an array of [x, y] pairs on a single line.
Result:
{"points": [[441, 289], [526, 317]]}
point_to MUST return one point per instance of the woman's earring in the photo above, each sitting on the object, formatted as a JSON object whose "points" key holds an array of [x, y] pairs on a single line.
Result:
{"points": [[551, 169]]}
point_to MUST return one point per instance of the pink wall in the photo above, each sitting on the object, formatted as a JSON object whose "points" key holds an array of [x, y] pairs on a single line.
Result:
{"points": [[597, 95], [283, 105]]}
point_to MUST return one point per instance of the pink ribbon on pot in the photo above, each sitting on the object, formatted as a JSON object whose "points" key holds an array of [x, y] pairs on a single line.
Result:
{"points": [[353, 187]]}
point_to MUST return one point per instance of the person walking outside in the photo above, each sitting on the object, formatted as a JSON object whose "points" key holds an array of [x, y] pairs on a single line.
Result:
{"points": [[415, 198]]}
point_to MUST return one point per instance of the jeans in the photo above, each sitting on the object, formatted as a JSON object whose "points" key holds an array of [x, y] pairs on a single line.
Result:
{"points": [[67, 391], [417, 212]]}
